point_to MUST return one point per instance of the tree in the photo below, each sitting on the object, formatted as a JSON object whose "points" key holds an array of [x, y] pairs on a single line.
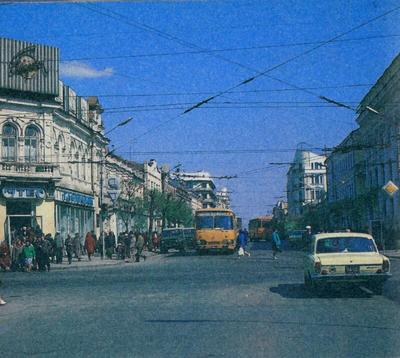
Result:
{"points": [[130, 205]]}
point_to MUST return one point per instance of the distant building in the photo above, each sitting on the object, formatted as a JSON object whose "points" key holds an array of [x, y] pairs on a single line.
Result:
{"points": [[123, 183], [306, 181], [152, 175], [280, 211], [201, 184], [223, 199]]}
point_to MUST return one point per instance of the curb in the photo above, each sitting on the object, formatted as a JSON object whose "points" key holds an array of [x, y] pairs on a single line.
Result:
{"points": [[96, 265], [58, 268]]}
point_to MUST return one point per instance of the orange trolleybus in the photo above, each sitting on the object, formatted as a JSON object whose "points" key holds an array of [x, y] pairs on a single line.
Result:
{"points": [[260, 228], [215, 230]]}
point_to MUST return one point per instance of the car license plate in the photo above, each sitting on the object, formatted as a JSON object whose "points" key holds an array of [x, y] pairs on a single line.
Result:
{"points": [[352, 269]]}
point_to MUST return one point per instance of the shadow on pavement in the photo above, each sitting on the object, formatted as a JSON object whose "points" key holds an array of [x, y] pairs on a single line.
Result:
{"points": [[284, 323], [299, 291], [182, 253]]}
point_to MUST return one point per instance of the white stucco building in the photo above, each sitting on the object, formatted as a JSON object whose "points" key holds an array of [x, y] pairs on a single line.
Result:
{"points": [[51, 142], [202, 185], [306, 181]]}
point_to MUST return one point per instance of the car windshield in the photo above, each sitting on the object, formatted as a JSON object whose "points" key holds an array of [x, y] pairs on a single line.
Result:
{"points": [[169, 233], [345, 244], [223, 222]]}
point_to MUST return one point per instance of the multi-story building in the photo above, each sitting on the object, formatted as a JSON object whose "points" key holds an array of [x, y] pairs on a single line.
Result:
{"points": [[202, 185], [178, 189], [51, 143], [345, 169], [306, 181], [223, 198], [367, 159], [123, 190], [152, 175]]}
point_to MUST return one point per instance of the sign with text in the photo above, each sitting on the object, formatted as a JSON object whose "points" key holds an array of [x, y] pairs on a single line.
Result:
{"points": [[73, 197], [23, 193]]}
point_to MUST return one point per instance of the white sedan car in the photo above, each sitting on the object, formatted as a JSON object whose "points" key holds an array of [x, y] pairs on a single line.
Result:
{"points": [[348, 257]]}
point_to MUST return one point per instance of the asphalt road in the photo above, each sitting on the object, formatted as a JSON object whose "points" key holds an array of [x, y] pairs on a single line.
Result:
{"points": [[195, 306]]}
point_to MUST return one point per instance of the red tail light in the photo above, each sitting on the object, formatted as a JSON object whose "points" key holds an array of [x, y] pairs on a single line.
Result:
{"points": [[317, 267]]}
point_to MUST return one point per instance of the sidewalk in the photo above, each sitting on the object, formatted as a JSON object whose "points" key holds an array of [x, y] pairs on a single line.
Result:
{"points": [[95, 262], [392, 254]]}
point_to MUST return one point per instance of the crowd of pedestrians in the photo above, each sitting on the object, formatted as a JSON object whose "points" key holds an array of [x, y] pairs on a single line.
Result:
{"points": [[129, 245], [32, 250]]}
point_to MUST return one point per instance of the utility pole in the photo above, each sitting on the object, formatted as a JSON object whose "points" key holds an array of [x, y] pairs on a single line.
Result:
{"points": [[102, 161], [151, 212]]}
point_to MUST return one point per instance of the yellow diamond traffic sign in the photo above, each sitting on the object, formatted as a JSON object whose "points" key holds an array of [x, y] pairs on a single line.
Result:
{"points": [[390, 188]]}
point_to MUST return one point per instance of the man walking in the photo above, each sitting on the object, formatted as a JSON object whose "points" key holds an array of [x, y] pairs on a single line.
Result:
{"points": [[139, 247], [276, 244], [77, 246], [59, 243], [242, 243], [69, 247]]}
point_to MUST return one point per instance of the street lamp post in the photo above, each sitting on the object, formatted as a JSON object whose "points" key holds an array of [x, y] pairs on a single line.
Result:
{"points": [[101, 221]]}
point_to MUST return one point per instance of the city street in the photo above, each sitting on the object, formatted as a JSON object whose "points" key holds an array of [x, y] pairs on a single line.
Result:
{"points": [[195, 306]]}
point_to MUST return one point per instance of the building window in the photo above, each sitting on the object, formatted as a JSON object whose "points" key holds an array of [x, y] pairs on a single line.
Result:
{"points": [[9, 143], [31, 144]]}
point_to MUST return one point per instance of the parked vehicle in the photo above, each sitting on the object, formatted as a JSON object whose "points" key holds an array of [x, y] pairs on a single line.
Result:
{"points": [[177, 238], [337, 258], [296, 238]]}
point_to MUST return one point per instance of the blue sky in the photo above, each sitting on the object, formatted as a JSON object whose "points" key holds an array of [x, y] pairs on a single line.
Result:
{"points": [[276, 120]]}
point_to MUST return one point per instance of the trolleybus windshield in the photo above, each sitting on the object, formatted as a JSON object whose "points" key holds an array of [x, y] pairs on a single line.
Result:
{"points": [[224, 222]]}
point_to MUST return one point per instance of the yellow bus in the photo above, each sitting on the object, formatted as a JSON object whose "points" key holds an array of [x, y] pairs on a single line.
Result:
{"points": [[215, 230]]}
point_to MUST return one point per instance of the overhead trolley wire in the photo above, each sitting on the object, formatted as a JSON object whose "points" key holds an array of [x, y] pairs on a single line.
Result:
{"points": [[259, 74], [209, 51], [291, 59]]}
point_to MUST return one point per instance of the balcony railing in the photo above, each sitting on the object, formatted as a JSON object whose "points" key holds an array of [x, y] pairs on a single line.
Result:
{"points": [[39, 170]]}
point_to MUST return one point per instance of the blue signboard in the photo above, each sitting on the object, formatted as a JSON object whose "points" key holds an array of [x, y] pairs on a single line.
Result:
{"points": [[74, 198]]}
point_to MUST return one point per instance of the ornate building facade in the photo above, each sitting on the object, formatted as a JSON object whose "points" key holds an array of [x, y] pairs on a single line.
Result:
{"points": [[52, 142]]}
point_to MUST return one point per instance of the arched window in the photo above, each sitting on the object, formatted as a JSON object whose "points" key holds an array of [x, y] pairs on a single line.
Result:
{"points": [[31, 144], [9, 143], [80, 156]]}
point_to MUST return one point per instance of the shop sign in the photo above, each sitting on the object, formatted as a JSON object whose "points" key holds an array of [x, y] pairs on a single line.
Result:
{"points": [[25, 64], [24, 193], [74, 198]]}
